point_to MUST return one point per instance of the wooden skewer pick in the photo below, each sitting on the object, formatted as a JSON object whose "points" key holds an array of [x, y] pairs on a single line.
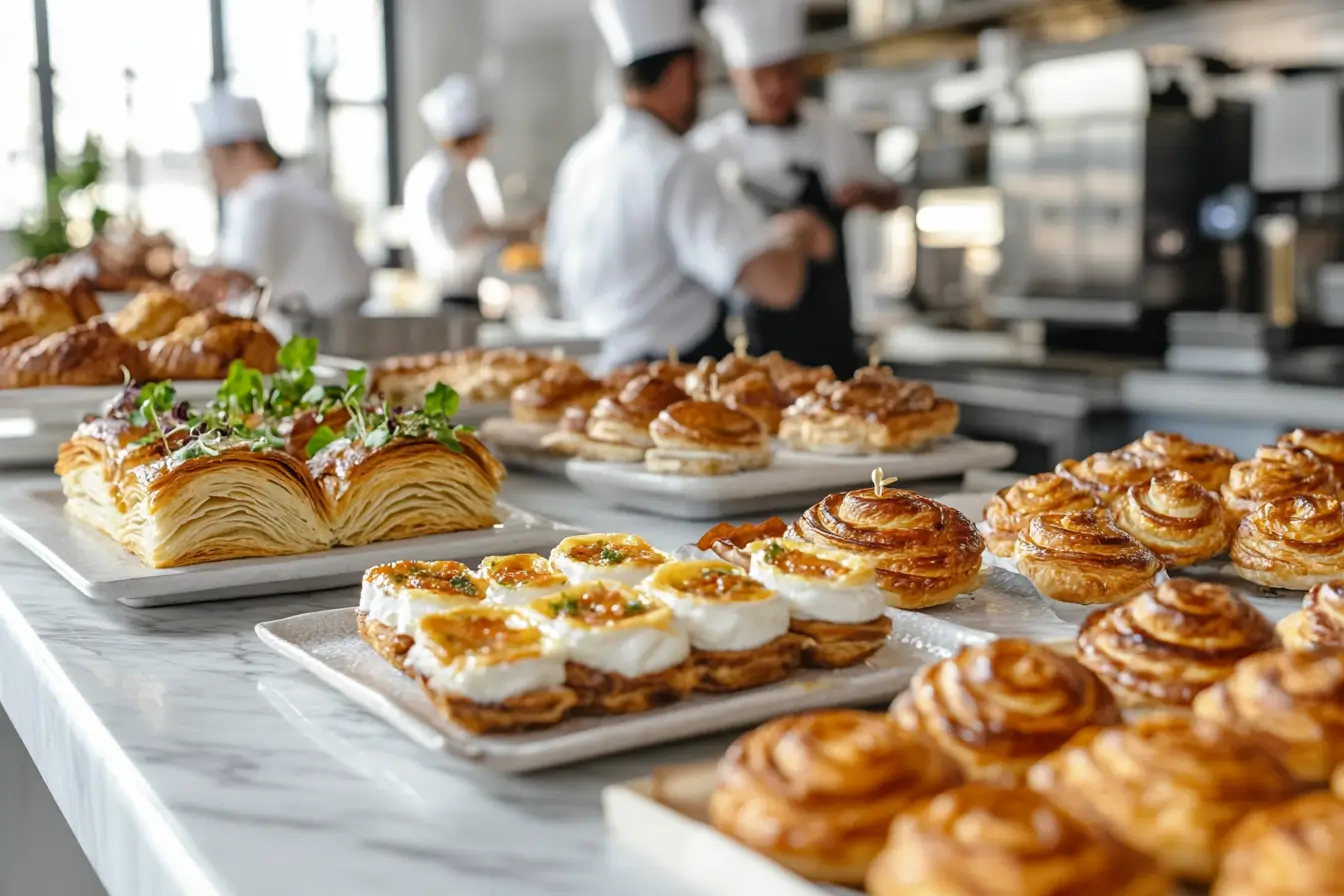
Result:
{"points": [[673, 356], [261, 290], [874, 354], [713, 387], [881, 482], [558, 353], [740, 346]]}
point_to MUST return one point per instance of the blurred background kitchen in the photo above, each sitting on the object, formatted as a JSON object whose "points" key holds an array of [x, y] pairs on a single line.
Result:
{"points": [[1117, 214]]}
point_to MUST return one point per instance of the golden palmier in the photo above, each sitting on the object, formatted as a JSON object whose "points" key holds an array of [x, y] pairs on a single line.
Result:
{"points": [[1108, 475], [1080, 557], [1009, 511], [544, 399], [705, 438], [1326, 444], [755, 394], [1291, 543], [872, 413], [1274, 473], [1320, 622], [1173, 514], [1292, 849], [1210, 465]]}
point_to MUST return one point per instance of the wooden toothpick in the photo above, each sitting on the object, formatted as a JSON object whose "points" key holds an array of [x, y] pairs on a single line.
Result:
{"points": [[673, 356], [881, 482], [558, 353], [713, 387], [874, 354], [740, 346]]}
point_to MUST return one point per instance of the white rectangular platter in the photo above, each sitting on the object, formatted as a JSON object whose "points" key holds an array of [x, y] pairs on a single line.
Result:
{"points": [[327, 644], [31, 512]]}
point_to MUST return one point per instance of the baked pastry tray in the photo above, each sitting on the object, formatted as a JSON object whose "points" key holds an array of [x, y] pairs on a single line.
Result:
{"points": [[32, 513], [327, 644]]}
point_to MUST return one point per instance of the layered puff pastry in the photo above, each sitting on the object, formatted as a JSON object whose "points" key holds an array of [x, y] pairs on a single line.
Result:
{"points": [[1295, 543], [1107, 474], [88, 354], [1174, 515], [1210, 465], [999, 707], [1320, 622], [979, 840], [817, 792], [1162, 648], [1009, 511], [614, 557], [706, 438], [516, 580], [730, 542], [738, 628], [756, 395], [476, 374], [1170, 785], [544, 399], [873, 413], [1081, 557], [1292, 849], [833, 598], [1272, 474], [1326, 444], [151, 314], [617, 428], [394, 597]]}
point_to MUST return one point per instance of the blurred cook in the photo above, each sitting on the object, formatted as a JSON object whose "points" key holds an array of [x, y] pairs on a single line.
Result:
{"points": [[786, 152], [642, 238]]}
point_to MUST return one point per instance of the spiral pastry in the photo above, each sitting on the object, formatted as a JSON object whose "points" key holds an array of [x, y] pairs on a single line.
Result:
{"points": [[926, 553], [1173, 514], [689, 432], [755, 394], [817, 792], [1292, 543], [1326, 444], [1108, 475], [1210, 465], [999, 707], [978, 840], [1320, 622], [1080, 557], [1168, 784], [617, 428], [868, 414], [1274, 473], [1292, 849], [1166, 645], [1009, 511], [544, 399]]}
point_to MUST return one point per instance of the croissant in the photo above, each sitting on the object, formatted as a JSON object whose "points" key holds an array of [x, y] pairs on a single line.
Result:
{"points": [[151, 315], [1175, 516], [46, 311], [203, 346], [1009, 511], [1108, 475], [1291, 543], [89, 354], [1209, 465], [1080, 557], [1326, 444], [13, 329], [1292, 849], [1274, 473], [1320, 622]]}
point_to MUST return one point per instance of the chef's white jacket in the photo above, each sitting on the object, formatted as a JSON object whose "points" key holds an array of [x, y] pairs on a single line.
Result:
{"points": [[642, 238], [442, 213]]}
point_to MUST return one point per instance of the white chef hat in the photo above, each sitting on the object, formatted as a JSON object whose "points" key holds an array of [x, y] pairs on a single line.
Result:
{"points": [[757, 33], [638, 29], [454, 109], [225, 118]]}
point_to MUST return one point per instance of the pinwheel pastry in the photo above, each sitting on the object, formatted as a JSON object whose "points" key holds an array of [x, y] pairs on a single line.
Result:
{"points": [[730, 542], [817, 792], [1009, 511], [1292, 703], [490, 669], [1294, 543], [705, 438], [1166, 645], [1320, 622], [615, 557], [999, 707], [545, 398], [1108, 475], [1168, 784], [1326, 444], [872, 413], [979, 840], [739, 629], [89, 354], [926, 553], [394, 598], [617, 429], [1210, 465], [151, 314], [1175, 516], [833, 597], [627, 653], [1080, 557], [203, 346], [756, 394], [1292, 849], [517, 580], [1274, 473]]}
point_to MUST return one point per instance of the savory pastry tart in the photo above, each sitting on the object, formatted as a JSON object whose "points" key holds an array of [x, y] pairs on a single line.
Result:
{"points": [[627, 559], [832, 595], [817, 792], [979, 840], [517, 580], [1326, 444], [617, 429], [1294, 543], [544, 399], [730, 542], [739, 629], [89, 354], [755, 394], [1292, 849], [1080, 557], [1274, 473], [1170, 785], [1107, 474], [1009, 511], [627, 653], [1175, 516], [1210, 465], [999, 707], [202, 346], [151, 314], [394, 597], [490, 669], [705, 438], [1166, 645], [1320, 622], [870, 414]]}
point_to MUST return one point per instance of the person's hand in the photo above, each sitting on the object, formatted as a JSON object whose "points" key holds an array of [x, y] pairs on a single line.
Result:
{"points": [[213, 286], [808, 231], [861, 195]]}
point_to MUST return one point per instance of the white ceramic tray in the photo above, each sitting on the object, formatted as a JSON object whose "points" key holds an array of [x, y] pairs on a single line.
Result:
{"points": [[518, 445], [474, 413], [327, 644], [31, 512]]}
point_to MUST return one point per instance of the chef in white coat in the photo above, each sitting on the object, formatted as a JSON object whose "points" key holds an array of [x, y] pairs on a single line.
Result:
{"points": [[787, 152], [642, 237]]}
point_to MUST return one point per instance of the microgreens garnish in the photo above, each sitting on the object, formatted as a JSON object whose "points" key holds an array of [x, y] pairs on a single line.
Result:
{"points": [[773, 551], [610, 556], [634, 607], [463, 584], [567, 605]]}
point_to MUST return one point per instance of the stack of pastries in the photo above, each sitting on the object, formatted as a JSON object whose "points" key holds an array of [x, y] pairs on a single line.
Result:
{"points": [[874, 413], [478, 375]]}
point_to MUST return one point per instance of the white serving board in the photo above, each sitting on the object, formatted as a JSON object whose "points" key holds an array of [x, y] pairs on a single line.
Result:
{"points": [[32, 513], [518, 446], [474, 413], [327, 644]]}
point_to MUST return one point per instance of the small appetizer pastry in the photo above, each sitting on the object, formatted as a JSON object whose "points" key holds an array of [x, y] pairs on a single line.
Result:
{"points": [[545, 398], [833, 596], [739, 629], [519, 579], [1107, 474], [394, 597], [705, 438], [1320, 622], [792, 379], [1210, 465], [1292, 849], [1274, 473], [626, 651], [1179, 519], [979, 840], [1009, 511], [627, 559], [730, 542], [700, 382], [997, 708], [568, 437], [1294, 543], [755, 394], [489, 670], [1163, 647], [617, 428], [869, 414], [1326, 444], [1080, 557], [817, 792], [1168, 784]]}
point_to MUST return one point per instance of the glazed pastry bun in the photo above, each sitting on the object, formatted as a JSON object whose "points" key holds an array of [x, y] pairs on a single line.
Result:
{"points": [[1080, 557], [1168, 644], [1108, 475], [997, 708], [616, 557], [979, 840], [544, 399], [617, 428], [1209, 465], [1274, 473], [739, 629], [817, 792], [394, 597], [832, 595], [1009, 511], [1326, 444], [755, 394], [518, 579], [873, 413], [1175, 516], [1320, 622], [1294, 543], [1168, 784], [705, 438], [1292, 849]]}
